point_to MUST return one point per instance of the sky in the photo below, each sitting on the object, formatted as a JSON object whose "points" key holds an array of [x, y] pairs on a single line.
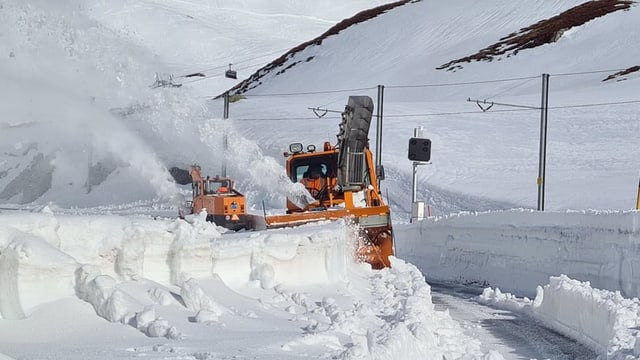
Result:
{"points": [[95, 264]]}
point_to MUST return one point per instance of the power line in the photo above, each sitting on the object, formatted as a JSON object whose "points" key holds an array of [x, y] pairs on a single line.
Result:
{"points": [[491, 103], [524, 108], [587, 72], [386, 116], [596, 104], [510, 88], [461, 83], [455, 112]]}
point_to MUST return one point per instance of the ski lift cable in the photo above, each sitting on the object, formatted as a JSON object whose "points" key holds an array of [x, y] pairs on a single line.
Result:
{"points": [[295, 93], [217, 75], [310, 92], [220, 67], [275, 119]]}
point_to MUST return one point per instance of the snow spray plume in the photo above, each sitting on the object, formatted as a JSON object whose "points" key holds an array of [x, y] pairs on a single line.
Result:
{"points": [[264, 171], [144, 161], [67, 113]]}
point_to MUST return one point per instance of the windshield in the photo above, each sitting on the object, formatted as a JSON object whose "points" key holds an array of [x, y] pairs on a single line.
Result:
{"points": [[213, 186], [319, 166]]}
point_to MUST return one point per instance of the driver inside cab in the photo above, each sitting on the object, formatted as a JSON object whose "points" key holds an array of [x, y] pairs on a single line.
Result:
{"points": [[314, 180]]}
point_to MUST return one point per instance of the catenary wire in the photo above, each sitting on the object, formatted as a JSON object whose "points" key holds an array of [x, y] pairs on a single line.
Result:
{"points": [[453, 112]]}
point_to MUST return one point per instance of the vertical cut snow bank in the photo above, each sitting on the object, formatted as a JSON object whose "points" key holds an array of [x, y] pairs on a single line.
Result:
{"points": [[603, 320], [32, 270]]}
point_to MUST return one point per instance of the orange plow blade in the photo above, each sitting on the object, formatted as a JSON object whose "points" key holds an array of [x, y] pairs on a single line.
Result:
{"points": [[375, 240]]}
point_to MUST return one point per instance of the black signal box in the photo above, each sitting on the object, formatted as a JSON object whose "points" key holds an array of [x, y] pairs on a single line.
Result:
{"points": [[419, 149]]}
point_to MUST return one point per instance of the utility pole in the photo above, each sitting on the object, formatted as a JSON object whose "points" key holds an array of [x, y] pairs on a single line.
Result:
{"points": [[543, 141], [417, 133], [419, 154], [542, 163], [225, 141], [379, 171], [638, 198]]}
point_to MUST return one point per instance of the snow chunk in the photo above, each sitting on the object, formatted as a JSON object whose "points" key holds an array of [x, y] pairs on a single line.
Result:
{"points": [[195, 299], [32, 272], [161, 296]]}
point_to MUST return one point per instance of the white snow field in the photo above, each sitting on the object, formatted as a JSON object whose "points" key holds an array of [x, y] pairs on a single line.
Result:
{"points": [[94, 263]]}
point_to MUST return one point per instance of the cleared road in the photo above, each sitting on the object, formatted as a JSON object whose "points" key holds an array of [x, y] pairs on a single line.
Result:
{"points": [[514, 335]]}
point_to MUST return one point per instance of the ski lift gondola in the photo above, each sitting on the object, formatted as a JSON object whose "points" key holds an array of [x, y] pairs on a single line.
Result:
{"points": [[231, 74]]}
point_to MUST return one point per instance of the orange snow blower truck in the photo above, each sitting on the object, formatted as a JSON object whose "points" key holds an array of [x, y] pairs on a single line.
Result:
{"points": [[225, 206], [342, 180]]}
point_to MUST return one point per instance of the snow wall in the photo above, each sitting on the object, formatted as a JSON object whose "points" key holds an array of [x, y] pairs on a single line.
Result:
{"points": [[518, 250], [45, 257]]}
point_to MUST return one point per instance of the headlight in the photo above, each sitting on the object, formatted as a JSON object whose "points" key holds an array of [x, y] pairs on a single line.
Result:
{"points": [[311, 148], [295, 147]]}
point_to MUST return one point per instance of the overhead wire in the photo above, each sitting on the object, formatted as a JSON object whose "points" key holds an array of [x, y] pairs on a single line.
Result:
{"points": [[515, 110], [523, 80], [596, 104], [510, 88], [587, 72], [387, 116], [460, 83]]}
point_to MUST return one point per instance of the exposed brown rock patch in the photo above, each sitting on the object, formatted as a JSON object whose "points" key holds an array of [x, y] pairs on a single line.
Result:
{"points": [[623, 73], [542, 32], [254, 80]]}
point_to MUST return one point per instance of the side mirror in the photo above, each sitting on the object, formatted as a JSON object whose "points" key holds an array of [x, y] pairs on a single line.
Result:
{"points": [[380, 172]]}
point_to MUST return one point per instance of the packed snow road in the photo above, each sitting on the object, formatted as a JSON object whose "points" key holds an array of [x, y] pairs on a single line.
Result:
{"points": [[514, 335]]}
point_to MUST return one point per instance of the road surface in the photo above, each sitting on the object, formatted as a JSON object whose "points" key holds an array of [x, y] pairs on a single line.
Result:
{"points": [[514, 335]]}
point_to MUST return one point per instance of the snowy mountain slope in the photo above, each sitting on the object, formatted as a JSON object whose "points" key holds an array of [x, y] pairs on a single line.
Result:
{"points": [[438, 38]]}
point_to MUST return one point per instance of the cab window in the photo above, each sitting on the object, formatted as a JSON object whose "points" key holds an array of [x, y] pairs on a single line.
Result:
{"points": [[211, 187], [302, 171]]}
